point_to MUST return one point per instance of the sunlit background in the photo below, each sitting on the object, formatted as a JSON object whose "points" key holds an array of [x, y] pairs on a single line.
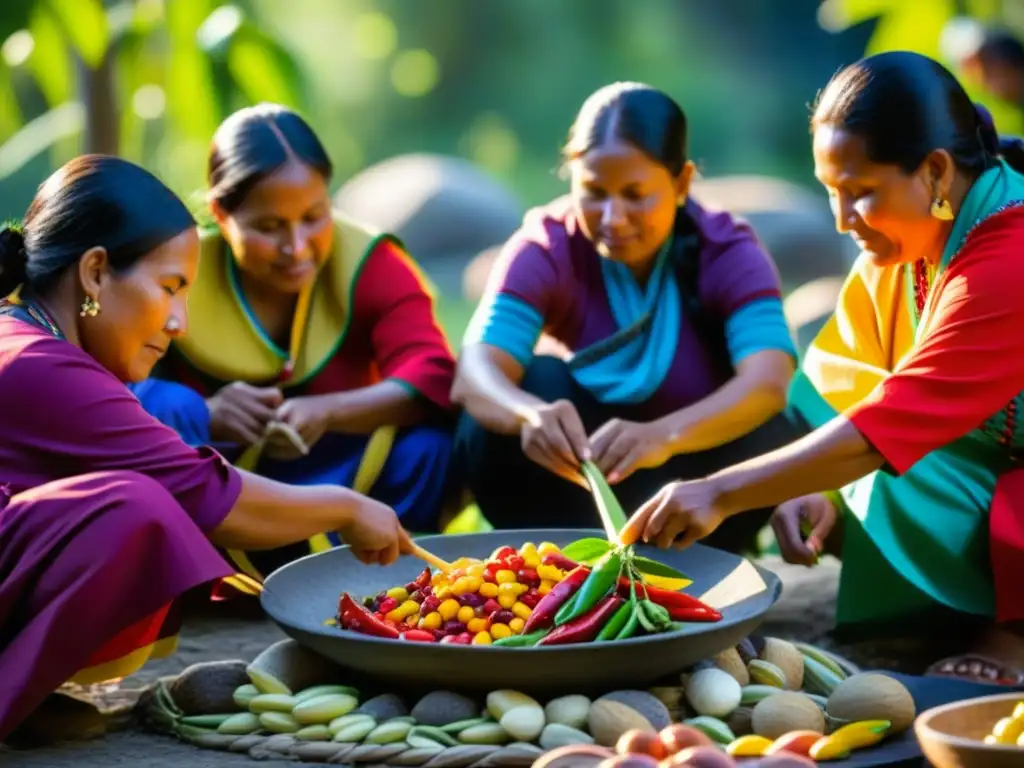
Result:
{"points": [[444, 118]]}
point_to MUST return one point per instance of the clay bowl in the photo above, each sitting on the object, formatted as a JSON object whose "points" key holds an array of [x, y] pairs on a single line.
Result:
{"points": [[303, 594], [952, 736]]}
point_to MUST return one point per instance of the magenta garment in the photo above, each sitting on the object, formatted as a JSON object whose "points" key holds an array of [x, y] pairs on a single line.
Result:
{"points": [[551, 265], [102, 514]]}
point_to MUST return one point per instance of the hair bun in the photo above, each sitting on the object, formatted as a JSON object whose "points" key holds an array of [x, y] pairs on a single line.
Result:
{"points": [[987, 129], [13, 259]]}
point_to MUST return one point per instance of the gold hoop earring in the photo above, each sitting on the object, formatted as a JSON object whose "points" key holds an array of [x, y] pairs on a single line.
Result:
{"points": [[90, 307], [942, 210]]}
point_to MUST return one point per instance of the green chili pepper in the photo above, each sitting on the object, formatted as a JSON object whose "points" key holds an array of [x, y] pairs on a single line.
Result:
{"points": [[611, 630], [657, 614], [599, 584], [632, 624], [521, 641], [644, 619]]}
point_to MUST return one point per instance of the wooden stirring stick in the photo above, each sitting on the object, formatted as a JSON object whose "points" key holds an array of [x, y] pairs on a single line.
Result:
{"points": [[430, 559]]}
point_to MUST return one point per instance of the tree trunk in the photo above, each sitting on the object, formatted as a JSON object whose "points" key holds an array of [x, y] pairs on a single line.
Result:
{"points": [[102, 120]]}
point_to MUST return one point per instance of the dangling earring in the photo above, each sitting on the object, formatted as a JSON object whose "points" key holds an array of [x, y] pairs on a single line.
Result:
{"points": [[90, 307], [942, 210]]}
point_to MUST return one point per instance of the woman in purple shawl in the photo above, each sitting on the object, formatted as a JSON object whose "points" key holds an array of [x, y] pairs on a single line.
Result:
{"points": [[668, 352], [106, 516]]}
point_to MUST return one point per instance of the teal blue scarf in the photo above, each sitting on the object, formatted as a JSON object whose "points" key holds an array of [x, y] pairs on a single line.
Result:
{"points": [[992, 192], [629, 366]]}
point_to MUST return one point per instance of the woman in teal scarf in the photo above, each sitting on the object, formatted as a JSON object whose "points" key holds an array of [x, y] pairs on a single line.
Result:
{"points": [[663, 349], [913, 388]]}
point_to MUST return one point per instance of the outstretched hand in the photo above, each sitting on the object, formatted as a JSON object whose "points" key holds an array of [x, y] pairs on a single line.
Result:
{"points": [[677, 516]]}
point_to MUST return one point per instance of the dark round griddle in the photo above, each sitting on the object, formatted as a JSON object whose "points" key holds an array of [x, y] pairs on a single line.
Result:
{"points": [[303, 594]]}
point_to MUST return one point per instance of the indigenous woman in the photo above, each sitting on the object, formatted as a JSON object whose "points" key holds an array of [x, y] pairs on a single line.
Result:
{"points": [[664, 350], [913, 388], [106, 515], [304, 323]]}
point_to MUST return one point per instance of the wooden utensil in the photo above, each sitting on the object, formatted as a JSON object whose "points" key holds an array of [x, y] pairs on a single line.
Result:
{"points": [[430, 559]]}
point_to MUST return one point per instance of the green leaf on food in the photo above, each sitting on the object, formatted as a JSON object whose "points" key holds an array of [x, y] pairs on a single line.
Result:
{"points": [[654, 568], [587, 550]]}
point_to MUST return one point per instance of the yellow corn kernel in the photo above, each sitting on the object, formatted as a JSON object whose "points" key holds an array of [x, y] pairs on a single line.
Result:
{"points": [[506, 600], [465, 614], [516, 625], [476, 570], [546, 586], [438, 578], [412, 620], [465, 562], [531, 560], [547, 548], [443, 593], [462, 586], [398, 593], [550, 573], [528, 546], [499, 631], [522, 610], [448, 609], [431, 621], [475, 626], [408, 608], [512, 588], [482, 638], [487, 589], [505, 577], [475, 582]]}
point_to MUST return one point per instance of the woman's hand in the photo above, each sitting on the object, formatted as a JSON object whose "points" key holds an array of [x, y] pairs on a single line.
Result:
{"points": [[308, 416], [240, 412], [375, 534], [790, 519], [678, 515], [553, 436], [622, 447]]}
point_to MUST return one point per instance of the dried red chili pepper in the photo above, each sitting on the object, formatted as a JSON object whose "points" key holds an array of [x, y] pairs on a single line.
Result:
{"points": [[586, 627], [543, 615], [358, 619]]}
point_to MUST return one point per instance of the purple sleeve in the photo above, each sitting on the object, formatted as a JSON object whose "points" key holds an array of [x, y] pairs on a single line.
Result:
{"points": [[526, 270], [72, 412], [735, 268]]}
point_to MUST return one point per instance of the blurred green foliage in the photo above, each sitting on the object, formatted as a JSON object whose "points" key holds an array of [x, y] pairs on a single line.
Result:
{"points": [[494, 81]]}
